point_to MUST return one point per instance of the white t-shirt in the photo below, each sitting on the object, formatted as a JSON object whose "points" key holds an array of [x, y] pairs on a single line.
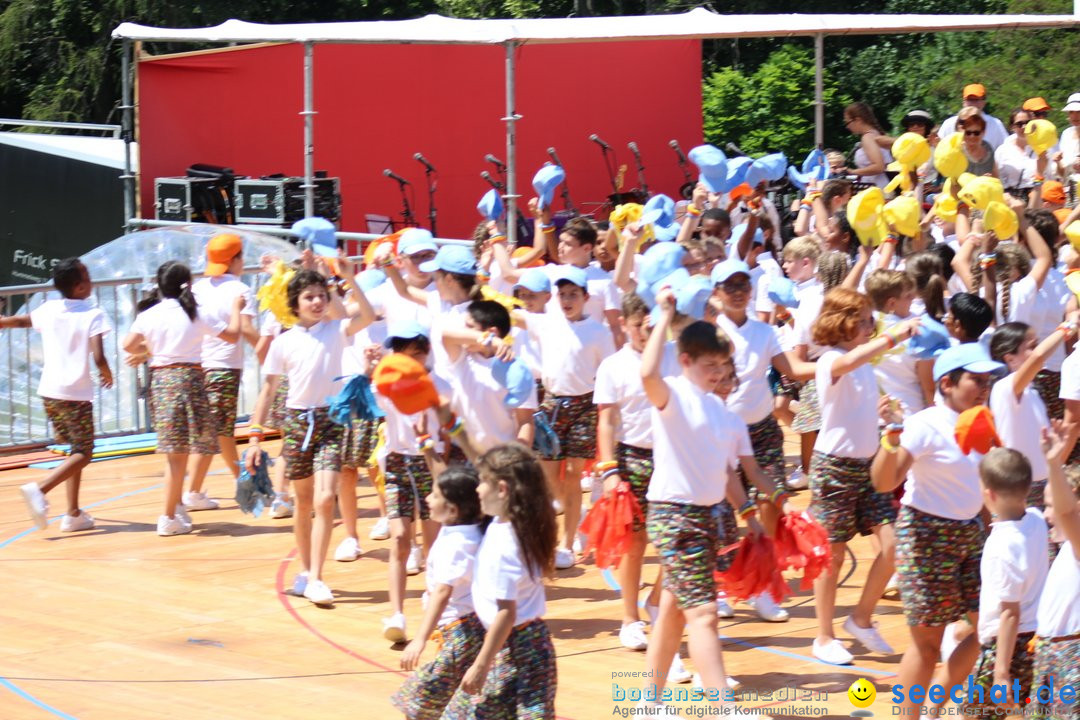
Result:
{"points": [[755, 345], [1016, 166], [400, 429], [311, 358], [215, 296], [849, 421], [1013, 569], [1069, 143], [452, 561], [811, 296], [897, 374], [389, 305], [570, 352], [502, 574], [66, 327], [1020, 422], [1023, 297], [443, 315], [171, 336], [603, 295], [618, 382], [695, 440], [942, 481], [353, 361], [527, 349], [1050, 304], [1070, 376], [480, 401], [1059, 613]]}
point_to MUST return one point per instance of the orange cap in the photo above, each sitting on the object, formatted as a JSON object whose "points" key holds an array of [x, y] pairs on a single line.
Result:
{"points": [[518, 252], [1053, 192], [406, 383], [974, 90], [1035, 104], [220, 251]]}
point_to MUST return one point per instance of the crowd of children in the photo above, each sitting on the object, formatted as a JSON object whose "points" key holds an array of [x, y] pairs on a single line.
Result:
{"points": [[661, 355]]}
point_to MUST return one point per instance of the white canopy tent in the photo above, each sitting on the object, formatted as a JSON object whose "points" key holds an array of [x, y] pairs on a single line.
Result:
{"points": [[434, 29]]}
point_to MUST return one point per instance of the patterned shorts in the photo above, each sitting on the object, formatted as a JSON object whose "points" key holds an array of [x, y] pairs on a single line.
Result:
{"points": [[729, 533], [1048, 383], [1023, 661], [636, 468], [322, 449], [1036, 497], [181, 412], [408, 483], [1059, 659], [222, 390], [574, 420], [808, 416], [73, 423], [427, 692], [937, 561], [361, 437], [843, 500], [277, 406], [767, 441], [687, 539], [521, 684], [782, 385]]}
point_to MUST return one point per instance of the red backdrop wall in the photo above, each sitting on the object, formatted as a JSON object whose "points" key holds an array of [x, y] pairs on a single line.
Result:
{"points": [[379, 104]]}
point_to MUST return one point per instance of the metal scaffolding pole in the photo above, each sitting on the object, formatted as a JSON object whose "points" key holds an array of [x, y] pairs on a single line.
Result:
{"points": [[308, 113], [510, 198], [127, 124], [819, 89]]}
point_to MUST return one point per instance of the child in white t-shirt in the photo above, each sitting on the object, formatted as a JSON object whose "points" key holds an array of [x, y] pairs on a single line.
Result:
{"points": [[1019, 413], [309, 354], [1013, 572], [572, 346], [843, 499], [71, 330], [900, 375], [168, 332], [1070, 397]]}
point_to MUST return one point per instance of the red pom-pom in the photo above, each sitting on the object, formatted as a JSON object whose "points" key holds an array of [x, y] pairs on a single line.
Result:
{"points": [[753, 571], [802, 543], [608, 526]]}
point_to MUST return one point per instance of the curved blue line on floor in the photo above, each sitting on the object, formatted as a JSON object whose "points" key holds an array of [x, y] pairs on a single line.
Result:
{"points": [[4, 682], [612, 583]]}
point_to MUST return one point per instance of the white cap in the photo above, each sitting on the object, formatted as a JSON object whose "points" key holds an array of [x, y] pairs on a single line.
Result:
{"points": [[1073, 104]]}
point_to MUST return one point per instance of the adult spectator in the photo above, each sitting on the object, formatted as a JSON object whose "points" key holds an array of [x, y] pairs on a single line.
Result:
{"points": [[1070, 136], [1017, 163], [870, 158], [979, 153], [975, 96]]}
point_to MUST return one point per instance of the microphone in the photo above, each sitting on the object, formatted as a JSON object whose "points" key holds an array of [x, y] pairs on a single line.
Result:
{"points": [[596, 139], [678, 150], [492, 181], [634, 149], [394, 176], [554, 157], [424, 161], [499, 164]]}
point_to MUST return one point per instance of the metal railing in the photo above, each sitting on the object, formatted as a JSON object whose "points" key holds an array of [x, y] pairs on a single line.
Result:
{"points": [[13, 122]]}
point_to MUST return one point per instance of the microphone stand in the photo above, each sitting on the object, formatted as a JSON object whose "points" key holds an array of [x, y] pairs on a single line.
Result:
{"points": [[406, 211], [641, 173], [432, 182], [610, 170]]}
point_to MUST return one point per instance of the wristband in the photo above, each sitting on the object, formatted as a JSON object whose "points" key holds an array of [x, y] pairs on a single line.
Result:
{"points": [[748, 508], [451, 422], [457, 429], [693, 210], [1067, 327], [496, 239], [890, 337], [609, 473], [547, 229], [425, 443], [255, 430], [887, 445], [892, 238], [605, 465], [893, 428], [779, 495], [387, 261]]}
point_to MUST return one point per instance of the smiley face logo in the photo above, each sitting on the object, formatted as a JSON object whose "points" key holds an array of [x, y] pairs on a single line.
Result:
{"points": [[861, 693]]}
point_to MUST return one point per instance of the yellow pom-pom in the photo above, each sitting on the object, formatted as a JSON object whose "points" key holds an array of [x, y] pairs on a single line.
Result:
{"points": [[273, 295]]}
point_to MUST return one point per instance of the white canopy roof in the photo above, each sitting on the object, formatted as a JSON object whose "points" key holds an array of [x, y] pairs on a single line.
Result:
{"points": [[696, 24], [98, 150]]}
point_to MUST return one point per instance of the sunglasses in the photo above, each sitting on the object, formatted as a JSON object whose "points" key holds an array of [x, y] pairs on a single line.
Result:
{"points": [[1041, 113], [973, 133], [1020, 123]]}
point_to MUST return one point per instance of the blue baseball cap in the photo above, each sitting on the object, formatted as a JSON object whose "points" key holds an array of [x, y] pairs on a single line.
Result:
{"points": [[534, 279], [726, 269], [782, 292], [971, 357], [571, 274], [452, 259], [405, 330], [415, 240], [370, 279], [931, 340], [712, 166], [766, 169], [318, 233], [491, 205], [738, 231], [545, 181]]}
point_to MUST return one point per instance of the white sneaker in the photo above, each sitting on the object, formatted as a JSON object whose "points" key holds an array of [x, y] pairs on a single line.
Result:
{"points": [[318, 593], [948, 642], [414, 563], [632, 636], [394, 628], [172, 526], [579, 543], [199, 501], [767, 609], [299, 584], [832, 652], [677, 674], [36, 504], [564, 559], [348, 550], [892, 588], [82, 521], [869, 637], [281, 507], [723, 607], [181, 512], [381, 529], [797, 480]]}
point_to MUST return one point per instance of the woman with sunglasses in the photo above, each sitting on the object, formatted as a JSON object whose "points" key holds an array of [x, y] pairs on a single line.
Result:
{"points": [[1017, 163], [870, 157], [979, 153]]}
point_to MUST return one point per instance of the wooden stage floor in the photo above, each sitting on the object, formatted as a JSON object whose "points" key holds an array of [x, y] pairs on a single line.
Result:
{"points": [[120, 623]]}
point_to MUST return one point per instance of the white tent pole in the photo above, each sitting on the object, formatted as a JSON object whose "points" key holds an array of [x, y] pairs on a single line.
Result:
{"points": [[819, 89], [127, 123], [511, 147], [308, 114]]}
